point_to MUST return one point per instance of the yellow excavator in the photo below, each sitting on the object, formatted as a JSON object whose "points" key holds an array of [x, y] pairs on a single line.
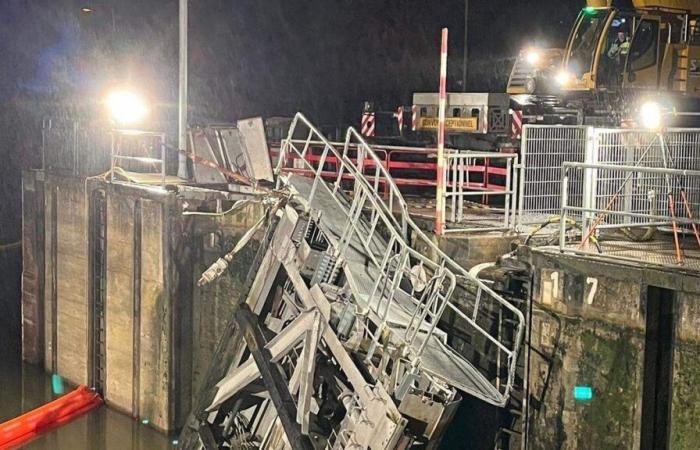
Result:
{"points": [[619, 54]]}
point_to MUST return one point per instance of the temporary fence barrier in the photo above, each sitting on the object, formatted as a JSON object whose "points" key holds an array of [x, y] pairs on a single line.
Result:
{"points": [[543, 150]]}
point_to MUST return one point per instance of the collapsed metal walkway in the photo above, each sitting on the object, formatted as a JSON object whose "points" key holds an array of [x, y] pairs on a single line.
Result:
{"points": [[376, 262], [360, 302]]}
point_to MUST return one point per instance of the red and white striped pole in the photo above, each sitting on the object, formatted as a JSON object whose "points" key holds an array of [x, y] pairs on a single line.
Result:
{"points": [[442, 104]]}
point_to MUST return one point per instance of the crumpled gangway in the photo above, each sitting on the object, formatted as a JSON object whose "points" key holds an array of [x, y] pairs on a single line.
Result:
{"points": [[371, 235], [358, 356]]}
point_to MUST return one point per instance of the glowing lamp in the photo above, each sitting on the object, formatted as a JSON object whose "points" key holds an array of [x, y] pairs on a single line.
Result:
{"points": [[563, 77], [650, 115], [126, 107], [533, 56]]}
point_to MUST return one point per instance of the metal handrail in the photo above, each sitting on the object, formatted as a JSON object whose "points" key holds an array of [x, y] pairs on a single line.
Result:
{"points": [[652, 219], [386, 212]]}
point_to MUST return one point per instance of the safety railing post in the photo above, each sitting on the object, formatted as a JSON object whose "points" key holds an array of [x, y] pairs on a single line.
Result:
{"points": [[520, 167], [563, 213], [441, 170], [588, 200]]}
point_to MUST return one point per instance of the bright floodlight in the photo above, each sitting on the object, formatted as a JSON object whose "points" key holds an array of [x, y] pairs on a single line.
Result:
{"points": [[650, 115], [127, 108], [532, 56], [563, 77]]}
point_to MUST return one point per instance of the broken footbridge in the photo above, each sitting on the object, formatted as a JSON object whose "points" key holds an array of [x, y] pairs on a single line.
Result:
{"points": [[343, 337]]}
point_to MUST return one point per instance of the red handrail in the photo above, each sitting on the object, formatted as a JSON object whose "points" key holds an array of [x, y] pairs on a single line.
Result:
{"points": [[426, 168]]}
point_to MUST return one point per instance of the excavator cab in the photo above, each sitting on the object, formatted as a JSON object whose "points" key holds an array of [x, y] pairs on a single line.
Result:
{"points": [[665, 53], [619, 53], [650, 49], [597, 49]]}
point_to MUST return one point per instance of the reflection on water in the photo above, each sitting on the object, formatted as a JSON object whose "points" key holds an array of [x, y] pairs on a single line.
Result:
{"points": [[24, 387]]}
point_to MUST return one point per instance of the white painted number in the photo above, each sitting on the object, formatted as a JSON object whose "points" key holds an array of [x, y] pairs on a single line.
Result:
{"points": [[593, 282]]}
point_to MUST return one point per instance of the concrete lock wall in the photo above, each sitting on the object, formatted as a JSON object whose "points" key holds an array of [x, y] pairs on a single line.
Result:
{"points": [[65, 296], [137, 310], [33, 265], [212, 304], [685, 407], [588, 329], [160, 328], [137, 313]]}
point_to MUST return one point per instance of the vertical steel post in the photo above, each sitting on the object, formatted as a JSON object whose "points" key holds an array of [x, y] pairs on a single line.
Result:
{"points": [[182, 96], [440, 200], [590, 176], [465, 46], [520, 185], [563, 211]]}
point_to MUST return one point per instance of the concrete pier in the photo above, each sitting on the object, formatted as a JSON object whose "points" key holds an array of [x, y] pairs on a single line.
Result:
{"points": [[123, 314]]}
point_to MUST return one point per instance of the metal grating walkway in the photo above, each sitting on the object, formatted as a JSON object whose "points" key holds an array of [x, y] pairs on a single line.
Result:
{"points": [[437, 358]]}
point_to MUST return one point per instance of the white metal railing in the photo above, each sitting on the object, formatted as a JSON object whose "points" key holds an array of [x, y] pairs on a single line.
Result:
{"points": [[468, 177], [626, 196], [380, 223], [132, 149]]}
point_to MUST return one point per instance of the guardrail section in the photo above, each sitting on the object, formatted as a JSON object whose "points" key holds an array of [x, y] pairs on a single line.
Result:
{"points": [[628, 197]]}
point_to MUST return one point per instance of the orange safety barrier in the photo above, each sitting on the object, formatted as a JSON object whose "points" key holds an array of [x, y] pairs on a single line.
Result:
{"points": [[30, 425]]}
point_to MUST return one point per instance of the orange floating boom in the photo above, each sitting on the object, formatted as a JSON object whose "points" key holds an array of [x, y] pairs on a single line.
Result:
{"points": [[30, 425]]}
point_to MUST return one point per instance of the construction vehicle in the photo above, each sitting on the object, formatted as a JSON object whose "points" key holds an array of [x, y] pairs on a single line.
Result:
{"points": [[619, 54], [475, 121]]}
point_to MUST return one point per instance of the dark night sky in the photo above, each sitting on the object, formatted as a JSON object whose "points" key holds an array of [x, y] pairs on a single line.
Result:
{"points": [[247, 57]]}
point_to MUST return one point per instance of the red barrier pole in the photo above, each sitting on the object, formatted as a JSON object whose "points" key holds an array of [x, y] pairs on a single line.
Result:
{"points": [[442, 103]]}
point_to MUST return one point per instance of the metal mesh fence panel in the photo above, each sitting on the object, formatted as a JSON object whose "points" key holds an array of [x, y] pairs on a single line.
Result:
{"points": [[544, 150]]}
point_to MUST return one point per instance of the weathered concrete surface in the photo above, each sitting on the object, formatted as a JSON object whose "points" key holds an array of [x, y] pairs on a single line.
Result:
{"points": [[157, 320], [33, 266], [213, 303], [588, 328], [570, 352], [66, 270], [469, 250], [155, 328], [685, 409], [119, 313]]}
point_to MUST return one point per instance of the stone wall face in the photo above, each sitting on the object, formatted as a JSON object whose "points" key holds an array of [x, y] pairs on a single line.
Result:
{"points": [[588, 329]]}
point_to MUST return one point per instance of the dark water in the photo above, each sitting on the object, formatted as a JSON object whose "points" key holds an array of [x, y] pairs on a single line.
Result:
{"points": [[24, 387]]}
